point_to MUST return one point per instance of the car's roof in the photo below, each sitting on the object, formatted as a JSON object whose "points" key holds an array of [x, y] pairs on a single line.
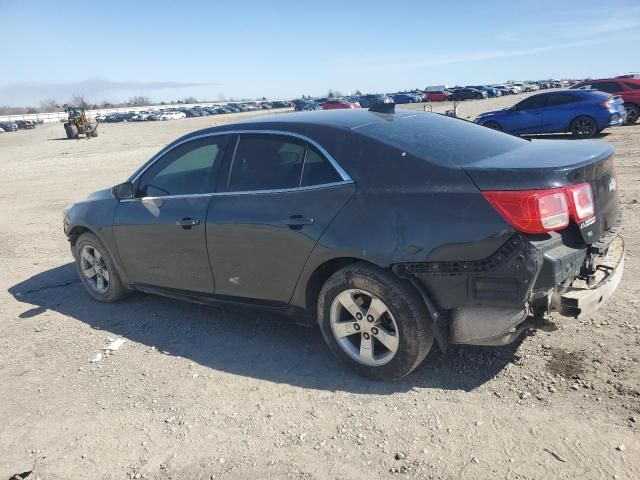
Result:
{"points": [[345, 119]]}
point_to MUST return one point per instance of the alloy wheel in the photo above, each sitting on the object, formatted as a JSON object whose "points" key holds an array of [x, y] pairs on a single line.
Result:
{"points": [[94, 269], [583, 127], [364, 327], [632, 114]]}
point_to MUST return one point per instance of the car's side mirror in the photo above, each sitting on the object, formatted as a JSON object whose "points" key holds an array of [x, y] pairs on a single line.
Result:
{"points": [[123, 191]]}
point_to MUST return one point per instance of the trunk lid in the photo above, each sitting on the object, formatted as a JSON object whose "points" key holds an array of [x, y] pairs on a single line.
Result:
{"points": [[545, 164]]}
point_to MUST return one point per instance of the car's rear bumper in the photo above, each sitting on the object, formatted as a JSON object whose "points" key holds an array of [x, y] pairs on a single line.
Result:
{"points": [[490, 302], [582, 299], [616, 119]]}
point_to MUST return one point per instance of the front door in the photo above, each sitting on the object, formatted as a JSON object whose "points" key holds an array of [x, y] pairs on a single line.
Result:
{"points": [[282, 194], [160, 234], [526, 116]]}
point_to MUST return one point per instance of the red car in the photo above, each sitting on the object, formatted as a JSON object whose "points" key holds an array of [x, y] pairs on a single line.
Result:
{"points": [[437, 95], [627, 88], [336, 104]]}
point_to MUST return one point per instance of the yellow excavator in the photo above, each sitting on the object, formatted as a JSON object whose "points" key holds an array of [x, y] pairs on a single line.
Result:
{"points": [[79, 124]]}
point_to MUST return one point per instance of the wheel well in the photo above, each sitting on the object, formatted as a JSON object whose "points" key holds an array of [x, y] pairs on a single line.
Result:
{"points": [[75, 233], [320, 275]]}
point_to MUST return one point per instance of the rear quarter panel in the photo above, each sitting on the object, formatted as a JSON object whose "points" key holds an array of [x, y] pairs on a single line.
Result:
{"points": [[406, 209]]}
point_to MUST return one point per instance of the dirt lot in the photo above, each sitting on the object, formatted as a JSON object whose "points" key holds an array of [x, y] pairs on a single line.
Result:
{"points": [[202, 393]]}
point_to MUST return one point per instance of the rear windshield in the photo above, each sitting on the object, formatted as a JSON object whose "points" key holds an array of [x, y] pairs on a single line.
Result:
{"points": [[441, 139]]}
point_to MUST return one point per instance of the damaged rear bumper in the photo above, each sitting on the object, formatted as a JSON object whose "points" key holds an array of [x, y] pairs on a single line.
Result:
{"points": [[493, 301], [583, 299]]}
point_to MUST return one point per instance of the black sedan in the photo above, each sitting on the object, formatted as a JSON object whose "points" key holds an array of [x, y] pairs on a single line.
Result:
{"points": [[9, 126], [467, 94], [388, 229]]}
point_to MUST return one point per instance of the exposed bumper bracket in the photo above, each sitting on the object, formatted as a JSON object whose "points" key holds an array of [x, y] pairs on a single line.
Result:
{"points": [[583, 300]]}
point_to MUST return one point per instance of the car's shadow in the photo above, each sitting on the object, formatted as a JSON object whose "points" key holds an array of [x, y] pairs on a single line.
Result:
{"points": [[246, 342]]}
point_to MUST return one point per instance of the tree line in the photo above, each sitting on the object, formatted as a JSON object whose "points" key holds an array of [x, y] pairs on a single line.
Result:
{"points": [[51, 105]]}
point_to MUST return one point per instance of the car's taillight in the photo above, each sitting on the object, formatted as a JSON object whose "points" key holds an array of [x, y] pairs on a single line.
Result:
{"points": [[540, 211], [581, 200], [532, 211], [608, 104]]}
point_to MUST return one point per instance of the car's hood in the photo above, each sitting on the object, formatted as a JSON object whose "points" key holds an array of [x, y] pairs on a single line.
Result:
{"points": [[486, 114], [100, 195]]}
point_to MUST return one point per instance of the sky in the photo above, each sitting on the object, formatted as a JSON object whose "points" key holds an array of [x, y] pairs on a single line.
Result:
{"points": [[113, 50]]}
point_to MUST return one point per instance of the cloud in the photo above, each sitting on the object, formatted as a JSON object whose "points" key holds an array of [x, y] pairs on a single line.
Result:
{"points": [[596, 24], [476, 56], [95, 89]]}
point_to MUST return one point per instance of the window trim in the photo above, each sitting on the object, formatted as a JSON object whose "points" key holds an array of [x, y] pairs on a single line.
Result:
{"points": [[346, 179]]}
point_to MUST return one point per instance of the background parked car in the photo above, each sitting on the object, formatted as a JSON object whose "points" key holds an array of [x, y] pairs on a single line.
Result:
{"points": [[336, 104], [491, 92], [581, 112], [367, 101], [627, 88], [401, 98], [467, 94], [173, 116], [438, 95], [9, 126], [26, 124]]}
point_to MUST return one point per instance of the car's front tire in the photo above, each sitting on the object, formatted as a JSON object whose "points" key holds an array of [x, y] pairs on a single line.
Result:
{"points": [[374, 322], [493, 125], [97, 271]]}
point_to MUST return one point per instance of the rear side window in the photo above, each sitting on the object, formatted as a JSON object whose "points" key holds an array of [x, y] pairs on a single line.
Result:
{"points": [[562, 99], [317, 169], [266, 162], [633, 86]]}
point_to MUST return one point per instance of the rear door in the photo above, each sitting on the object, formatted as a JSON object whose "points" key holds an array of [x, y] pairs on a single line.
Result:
{"points": [[560, 112], [282, 193], [160, 234]]}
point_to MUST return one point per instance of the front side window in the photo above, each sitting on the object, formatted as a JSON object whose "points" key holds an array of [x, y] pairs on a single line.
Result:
{"points": [[633, 86], [537, 101], [266, 162], [185, 170]]}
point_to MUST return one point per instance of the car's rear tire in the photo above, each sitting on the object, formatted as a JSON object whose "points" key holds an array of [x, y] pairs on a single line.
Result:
{"points": [[97, 271], [374, 322], [493, 125], [583, 127], [633, 113]]}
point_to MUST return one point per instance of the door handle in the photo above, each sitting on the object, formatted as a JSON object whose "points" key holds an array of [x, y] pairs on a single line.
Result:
{"points": [[187, 223], [296, 222]]}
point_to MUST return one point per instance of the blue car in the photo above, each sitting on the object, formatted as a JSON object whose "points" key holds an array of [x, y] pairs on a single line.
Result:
{"points": [[404, 98], [581, 112], [492, 92]]}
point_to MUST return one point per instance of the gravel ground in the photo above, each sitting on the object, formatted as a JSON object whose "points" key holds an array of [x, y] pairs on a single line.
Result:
{"points": [[202, 393]]}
